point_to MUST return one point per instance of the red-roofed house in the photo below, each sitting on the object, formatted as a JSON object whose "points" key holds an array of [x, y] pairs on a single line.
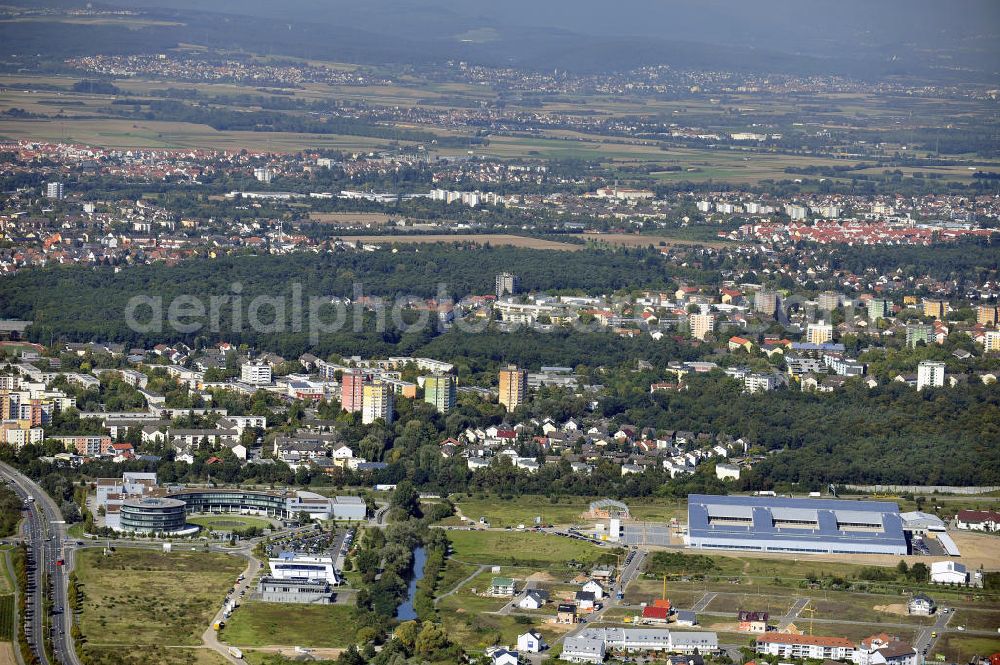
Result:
{"points": [[740, 343], [787, 645], [653, 614], [978, 520]]}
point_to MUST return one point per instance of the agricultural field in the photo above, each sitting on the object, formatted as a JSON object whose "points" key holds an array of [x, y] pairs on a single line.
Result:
{"points": [[145, 597], [123, 133], [699, 235], [257, 624], [352, 218], [229, 522], [80, 120]]}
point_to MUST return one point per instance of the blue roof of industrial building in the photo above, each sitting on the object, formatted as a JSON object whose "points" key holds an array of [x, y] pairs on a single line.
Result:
{"points": [[827, 514]]}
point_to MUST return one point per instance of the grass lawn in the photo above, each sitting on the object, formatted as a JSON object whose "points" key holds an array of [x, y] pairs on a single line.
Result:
{"points": [[522, 509], [230, 522], [7, 617], [568, 510], [152, 655], [476, 631], [467, 601], [256, 624], [853, 631], [453, 573], [519, 548], [776, 606], [6, 576], [646, 591], [147, 597], [860, 607], [985, 619], [959, 648]]}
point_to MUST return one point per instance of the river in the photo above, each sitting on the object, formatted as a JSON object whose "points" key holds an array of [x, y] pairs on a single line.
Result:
{"points": [[405, 611]]}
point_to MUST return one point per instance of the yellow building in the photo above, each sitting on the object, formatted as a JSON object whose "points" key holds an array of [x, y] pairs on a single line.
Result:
{"points": [[986, 315], [992, 340], [819, 333], [701, 325], [936, 308], [513, 387], [376, 402]]}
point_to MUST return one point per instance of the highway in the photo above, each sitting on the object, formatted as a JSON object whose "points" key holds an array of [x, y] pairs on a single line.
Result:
{"points": [[44, 533]]}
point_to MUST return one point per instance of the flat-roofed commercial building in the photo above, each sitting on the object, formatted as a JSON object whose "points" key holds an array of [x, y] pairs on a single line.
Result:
{"points": [[297, 566], [301, 590], [806, 526]]}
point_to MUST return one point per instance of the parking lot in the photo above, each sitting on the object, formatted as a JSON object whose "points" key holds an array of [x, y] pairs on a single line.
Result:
{"points": [[318, 542]]}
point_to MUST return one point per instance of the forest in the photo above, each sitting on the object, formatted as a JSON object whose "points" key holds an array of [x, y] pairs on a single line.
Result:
{"points": [[87, 304], [968, 259], [889, 434]]}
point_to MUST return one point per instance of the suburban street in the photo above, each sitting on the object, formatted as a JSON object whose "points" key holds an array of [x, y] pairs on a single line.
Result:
{"points": [[924, 641]]}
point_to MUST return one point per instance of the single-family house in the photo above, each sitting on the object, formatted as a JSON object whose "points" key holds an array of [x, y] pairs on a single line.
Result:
{"points": [[921, 605], [502, 586], [566, 613], [534, 599], [585, 600], [504, 657], [530, 642], [595, 588]]}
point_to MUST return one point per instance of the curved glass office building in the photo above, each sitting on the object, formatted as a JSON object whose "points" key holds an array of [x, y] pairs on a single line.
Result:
{"points": [[153, 515], [233, 500]]}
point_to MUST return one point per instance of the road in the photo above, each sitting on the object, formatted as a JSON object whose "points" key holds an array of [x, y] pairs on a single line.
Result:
{"points": [[210, 637], [704, 602], [629, 572], [793, 613], [481, 569], [45, 536], [924, 641]]}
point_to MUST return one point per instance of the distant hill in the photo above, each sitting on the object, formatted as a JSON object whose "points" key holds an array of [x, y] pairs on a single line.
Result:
{"points": [[924, 38]]}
